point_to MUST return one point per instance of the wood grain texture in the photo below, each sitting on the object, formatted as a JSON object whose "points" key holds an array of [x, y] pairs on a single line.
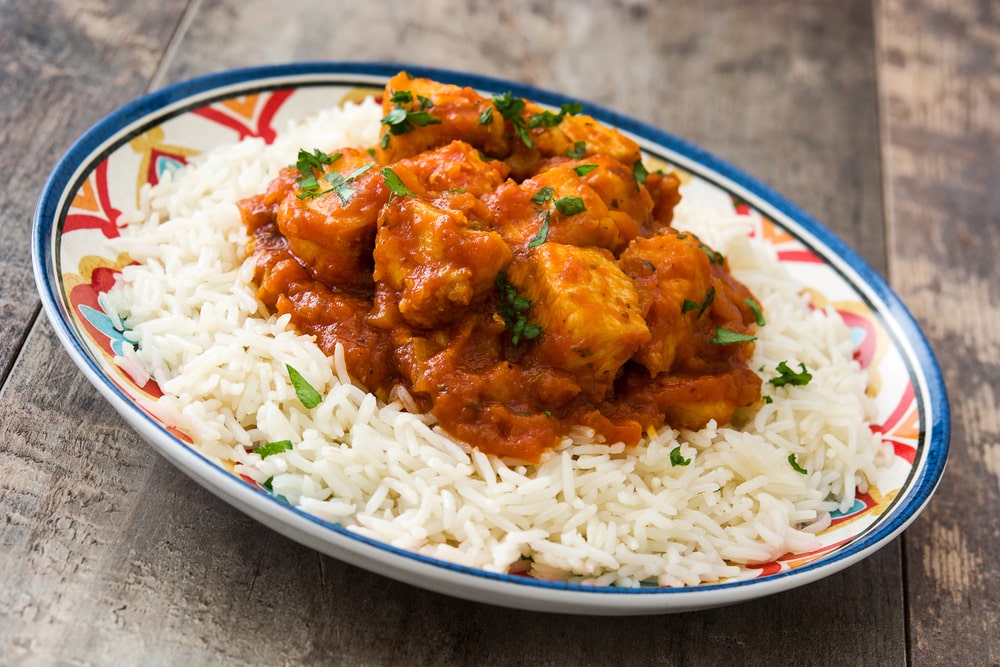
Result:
{"points": [[108, 555], [64, 66], [940, 68]]}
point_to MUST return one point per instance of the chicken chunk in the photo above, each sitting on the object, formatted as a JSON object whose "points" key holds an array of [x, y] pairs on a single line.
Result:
{"points": [[672, 273], [687, 295], [588, 311], [455, 167], [572, 135], [419, 114], [330, 227], [571, 201], [664, 190], [687, 401], [430, 261]]}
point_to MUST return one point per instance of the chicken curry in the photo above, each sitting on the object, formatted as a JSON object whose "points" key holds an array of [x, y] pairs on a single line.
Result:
{"points": [[512, 267]]}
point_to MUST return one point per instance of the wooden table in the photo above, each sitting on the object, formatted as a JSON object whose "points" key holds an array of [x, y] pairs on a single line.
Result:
{"points": [[881, 119]]}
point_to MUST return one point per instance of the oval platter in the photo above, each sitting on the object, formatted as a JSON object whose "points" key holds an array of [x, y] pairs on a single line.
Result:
{"points": [[95, 185]]}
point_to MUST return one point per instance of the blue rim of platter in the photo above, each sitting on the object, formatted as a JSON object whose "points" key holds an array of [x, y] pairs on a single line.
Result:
{"points": [[906, 337]]}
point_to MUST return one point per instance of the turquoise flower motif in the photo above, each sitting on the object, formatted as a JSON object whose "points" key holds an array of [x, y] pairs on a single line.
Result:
{"points": [[854, 509], [114, 329], [164, 164]]}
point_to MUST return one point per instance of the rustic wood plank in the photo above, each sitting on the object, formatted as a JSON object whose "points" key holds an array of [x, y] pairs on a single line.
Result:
{"points": [[940, 69], [97, 527], [65, 66]]}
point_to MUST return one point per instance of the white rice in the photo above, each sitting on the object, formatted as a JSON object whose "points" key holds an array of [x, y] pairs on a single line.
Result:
{"points": [[589, 512]]}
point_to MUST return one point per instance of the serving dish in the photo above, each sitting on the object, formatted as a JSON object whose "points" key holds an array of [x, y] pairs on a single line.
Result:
{"points": [[94, 187]]}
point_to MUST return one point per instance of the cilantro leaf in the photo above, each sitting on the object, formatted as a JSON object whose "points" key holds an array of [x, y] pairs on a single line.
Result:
{"points": [[789, 376], [713, 256], [401, 97], [570, 205], [395, 184], [571, 109], [513, 308], [543, 195], [724, 336], [639, 173], [309, 185], [578, 151], [690, 305], [307, 165], [758, 313], [341, 184], [584, 169], [543, 231], [544, 119], [400, 121], [677, 459], [486, 117], [795, 465], [271, 448], [522, 132], [307, 162], [508, 105], [309, 397]]}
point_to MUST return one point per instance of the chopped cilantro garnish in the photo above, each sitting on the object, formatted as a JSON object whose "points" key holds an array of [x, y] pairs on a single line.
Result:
{"points": [[639, 173], [309, 397], [789, 376], [543, 231], [271, 448], [486, 117], [341, 184], [584, 169], [400, 120], [758, 313], [308, 164], [713, 256], [512, 109], [767, 399], [309, 185], [508, 105], [544, 119], [677, 459], [690, 305], [795, 465], [513, 308], [571, 109], [401, 97], [543, 195], [570, 205], [395, 184], [724, 336], [578, 151]]}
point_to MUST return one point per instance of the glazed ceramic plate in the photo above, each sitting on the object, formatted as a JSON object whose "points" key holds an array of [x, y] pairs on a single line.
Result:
{"points": [[95, 185]]}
